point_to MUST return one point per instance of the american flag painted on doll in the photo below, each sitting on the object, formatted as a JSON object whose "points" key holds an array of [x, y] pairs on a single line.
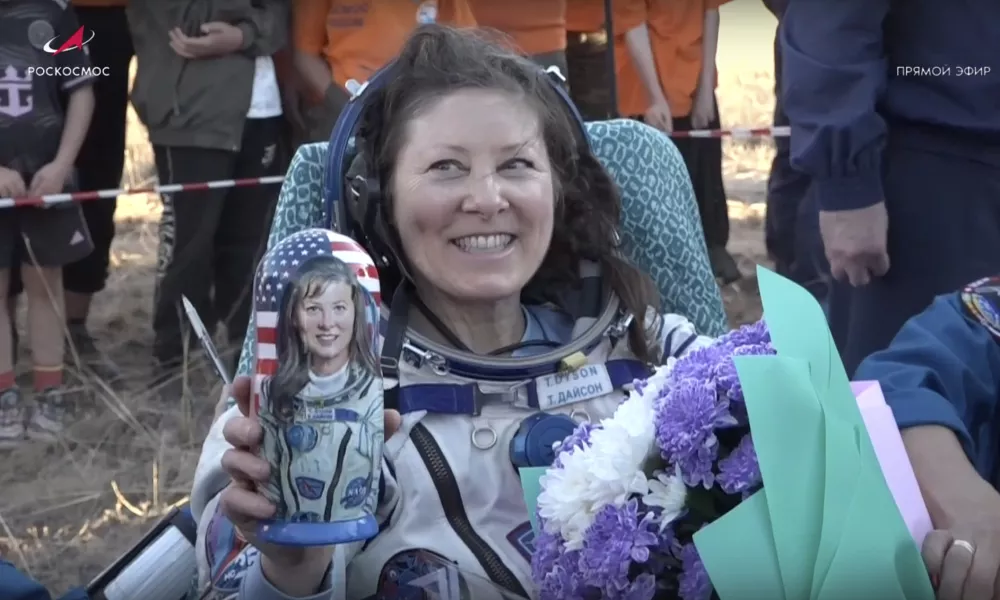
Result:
{"points": [[279, 266]]}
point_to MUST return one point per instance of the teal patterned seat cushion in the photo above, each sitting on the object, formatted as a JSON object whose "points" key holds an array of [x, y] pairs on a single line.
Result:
{"points": [[661, 230]]}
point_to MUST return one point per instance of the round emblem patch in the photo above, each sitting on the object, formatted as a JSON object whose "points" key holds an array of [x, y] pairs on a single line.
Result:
{"points": [[982, 301], [419, 574], [39, 33]]}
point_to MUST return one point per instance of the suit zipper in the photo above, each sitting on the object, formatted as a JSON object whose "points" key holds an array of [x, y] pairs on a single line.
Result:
{"points": [[454, 511]]}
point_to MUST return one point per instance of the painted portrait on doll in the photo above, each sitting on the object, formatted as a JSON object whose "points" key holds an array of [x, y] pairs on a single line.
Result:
{"points": [[322, 408]]}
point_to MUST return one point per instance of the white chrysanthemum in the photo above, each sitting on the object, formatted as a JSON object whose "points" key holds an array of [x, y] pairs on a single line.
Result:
{"points": [[606, 471], [669, 493]]}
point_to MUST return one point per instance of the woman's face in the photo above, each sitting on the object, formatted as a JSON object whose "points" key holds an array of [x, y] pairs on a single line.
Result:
{"points": [[326, 321], [473, 195]]}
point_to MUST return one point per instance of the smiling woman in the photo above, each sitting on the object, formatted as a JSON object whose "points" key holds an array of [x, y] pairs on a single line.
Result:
{"points": [[474, 207], [511, 318]]}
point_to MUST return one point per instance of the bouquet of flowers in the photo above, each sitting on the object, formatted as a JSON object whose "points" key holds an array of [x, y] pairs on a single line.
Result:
{"points": [[624, 498]]}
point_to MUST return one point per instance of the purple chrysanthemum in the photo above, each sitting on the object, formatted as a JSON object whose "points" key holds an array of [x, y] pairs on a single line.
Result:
{"points": [[727, 380], [686, 420], [700, 365], [753, 334], [740, 472], [555, 570], [578, 439], [693, 583], [624, 554], [619, 538]]}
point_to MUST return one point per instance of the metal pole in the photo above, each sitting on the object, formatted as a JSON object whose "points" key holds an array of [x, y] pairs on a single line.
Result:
{"points": [[612, 78]]}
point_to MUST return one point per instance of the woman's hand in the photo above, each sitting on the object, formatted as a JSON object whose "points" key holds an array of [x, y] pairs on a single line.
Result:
{"points": [[294, 571], [963, 557]]}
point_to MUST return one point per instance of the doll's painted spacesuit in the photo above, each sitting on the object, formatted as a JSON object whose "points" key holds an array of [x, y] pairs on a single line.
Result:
{"points": [[329, 452]]}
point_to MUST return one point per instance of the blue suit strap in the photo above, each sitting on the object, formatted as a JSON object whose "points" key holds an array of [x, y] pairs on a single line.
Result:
{"points": [[468, 399], [340, 142]]}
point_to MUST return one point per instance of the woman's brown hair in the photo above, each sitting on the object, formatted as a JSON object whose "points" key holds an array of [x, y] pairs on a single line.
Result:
{"points": [[437, 60]]}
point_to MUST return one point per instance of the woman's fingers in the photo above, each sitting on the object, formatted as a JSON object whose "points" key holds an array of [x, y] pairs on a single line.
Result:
{"points": [[393, 421], [245, 507], [240, 391], [243, 466], [242, 432]]}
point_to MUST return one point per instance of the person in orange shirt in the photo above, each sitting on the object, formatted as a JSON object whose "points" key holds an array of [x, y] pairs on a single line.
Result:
{"points": [[538, 29], [587, 56], [339, 41], [670, 84]]}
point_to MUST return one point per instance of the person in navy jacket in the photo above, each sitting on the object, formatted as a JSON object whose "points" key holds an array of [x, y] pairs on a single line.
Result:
{"points": [[895, 120], [791, 225], [15, 585], [941, 377]]}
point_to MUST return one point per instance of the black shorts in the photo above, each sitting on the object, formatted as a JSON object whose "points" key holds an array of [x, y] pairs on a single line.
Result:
{"points": [[53, 236]]}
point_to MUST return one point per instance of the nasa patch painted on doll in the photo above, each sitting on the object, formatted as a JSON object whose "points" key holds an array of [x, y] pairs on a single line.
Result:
{"points": [[356, 492], [982, 300]]}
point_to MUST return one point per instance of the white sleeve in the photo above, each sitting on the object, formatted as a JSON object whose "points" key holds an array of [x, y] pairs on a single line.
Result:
{"points": [[674, 335]]}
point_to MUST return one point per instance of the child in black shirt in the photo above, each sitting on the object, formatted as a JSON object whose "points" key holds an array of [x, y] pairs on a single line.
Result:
{"points": [[46, 104]]}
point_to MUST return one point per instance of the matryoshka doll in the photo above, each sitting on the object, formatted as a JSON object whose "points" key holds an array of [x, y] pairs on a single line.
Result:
{"points": [[317, 389]]}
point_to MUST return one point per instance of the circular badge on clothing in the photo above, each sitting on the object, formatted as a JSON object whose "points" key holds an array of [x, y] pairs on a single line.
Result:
{"points": [[40, 32], [427, 12], [418, 574], [982, 301]]}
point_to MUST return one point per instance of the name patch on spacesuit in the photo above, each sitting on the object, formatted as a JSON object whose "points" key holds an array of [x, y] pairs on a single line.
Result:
{"points": [[982, 301], [586, 383]]}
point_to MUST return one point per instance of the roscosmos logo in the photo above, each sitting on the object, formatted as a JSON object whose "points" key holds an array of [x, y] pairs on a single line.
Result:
{"points": [[77, 41]]}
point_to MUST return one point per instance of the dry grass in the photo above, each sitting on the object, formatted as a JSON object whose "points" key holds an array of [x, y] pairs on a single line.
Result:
{"points": [[69, 510]]}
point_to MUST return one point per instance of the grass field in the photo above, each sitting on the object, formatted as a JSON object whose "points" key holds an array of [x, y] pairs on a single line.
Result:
{"points": [[68, 510]]}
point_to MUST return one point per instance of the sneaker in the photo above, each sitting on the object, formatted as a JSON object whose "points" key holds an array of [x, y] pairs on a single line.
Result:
{"points": [[52, 412], [92, 358], [12, 415], [724, 265]]}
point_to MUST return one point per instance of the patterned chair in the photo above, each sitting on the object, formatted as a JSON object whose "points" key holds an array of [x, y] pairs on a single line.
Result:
{"points": [[661, 230]]}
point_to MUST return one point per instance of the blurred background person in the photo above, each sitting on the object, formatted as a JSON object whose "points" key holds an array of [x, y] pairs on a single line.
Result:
{"points": [[671, 86], [337, 41], [207, 92], [791, 223], [586, 59], [902, 151], [99, 166], [538, 29], [43, 122]]}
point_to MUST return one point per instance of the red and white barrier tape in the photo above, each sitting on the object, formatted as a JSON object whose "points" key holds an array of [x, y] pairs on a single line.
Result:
{"points": [[738, 133], [158, 189]]}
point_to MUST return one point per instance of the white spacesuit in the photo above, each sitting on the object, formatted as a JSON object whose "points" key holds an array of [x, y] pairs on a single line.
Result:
{"points": [[451, 486], [450, 492]]}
